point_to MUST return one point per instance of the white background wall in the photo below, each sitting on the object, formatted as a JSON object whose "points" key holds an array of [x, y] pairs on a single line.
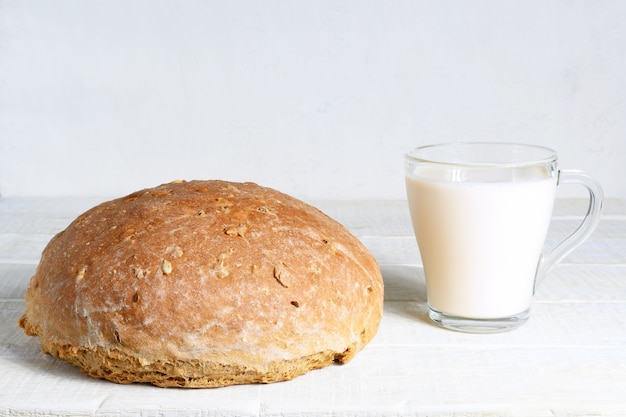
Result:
{"points": [[319, 99]]}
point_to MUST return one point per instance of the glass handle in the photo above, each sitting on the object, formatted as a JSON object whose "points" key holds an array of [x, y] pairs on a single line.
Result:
{"points": [[596, 196]]}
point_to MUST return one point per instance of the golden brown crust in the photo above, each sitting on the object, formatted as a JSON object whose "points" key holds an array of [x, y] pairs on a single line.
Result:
{"points": [[201, 284]]}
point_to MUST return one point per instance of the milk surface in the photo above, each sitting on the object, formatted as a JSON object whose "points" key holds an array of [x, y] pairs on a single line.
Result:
{"points": [[480, 241]]}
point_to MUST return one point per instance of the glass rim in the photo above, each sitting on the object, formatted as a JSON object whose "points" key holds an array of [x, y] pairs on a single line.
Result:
{"points": [[550, 155]]}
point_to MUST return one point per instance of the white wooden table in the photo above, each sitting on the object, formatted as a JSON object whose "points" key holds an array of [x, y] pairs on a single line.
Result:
{"points": [[568, 360]]}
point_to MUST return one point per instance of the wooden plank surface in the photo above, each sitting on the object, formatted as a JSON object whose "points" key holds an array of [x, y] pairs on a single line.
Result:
{"points": [[568, 360]]}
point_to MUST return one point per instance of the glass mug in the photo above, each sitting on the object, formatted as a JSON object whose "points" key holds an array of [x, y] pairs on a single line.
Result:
{"points": [[480, 212]]}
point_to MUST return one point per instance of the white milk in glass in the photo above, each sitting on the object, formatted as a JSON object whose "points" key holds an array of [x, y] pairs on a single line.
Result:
{"points": [[480, 238]]}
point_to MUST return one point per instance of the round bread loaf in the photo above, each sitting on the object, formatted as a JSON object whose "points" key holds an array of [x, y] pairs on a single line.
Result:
{"points": [[204, 284]]}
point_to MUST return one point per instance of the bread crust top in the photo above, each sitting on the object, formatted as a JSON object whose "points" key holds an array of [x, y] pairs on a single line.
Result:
{"points": [[231, 273]]}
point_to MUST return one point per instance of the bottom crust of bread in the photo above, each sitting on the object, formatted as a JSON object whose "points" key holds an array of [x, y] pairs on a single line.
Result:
{"points": [[117, 366]]}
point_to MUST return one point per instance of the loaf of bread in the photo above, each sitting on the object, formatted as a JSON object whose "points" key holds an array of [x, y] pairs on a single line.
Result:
{"points": [[204, 284]]}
